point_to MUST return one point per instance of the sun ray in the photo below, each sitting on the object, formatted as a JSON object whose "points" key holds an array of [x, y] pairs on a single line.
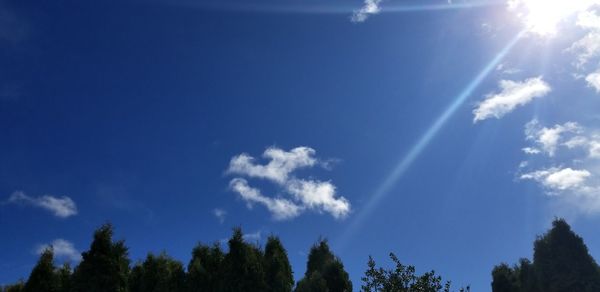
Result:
{"points": [[405, 162]]}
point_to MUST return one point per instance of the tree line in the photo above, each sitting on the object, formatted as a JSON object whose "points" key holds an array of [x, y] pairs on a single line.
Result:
{"points": [[244, 266], [561, 263]]}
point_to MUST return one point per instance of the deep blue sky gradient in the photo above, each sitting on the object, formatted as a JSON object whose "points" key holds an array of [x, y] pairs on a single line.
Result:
{"points": [[134, 109]]}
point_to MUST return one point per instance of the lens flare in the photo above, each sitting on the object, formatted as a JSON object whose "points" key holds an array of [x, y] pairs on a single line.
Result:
{"points": [[543, 17], [422, 143]]}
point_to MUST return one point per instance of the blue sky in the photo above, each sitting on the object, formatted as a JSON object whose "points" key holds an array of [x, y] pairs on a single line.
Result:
{"points": [[449, 133]]}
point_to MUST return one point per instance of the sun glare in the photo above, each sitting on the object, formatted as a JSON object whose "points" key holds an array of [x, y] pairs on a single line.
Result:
{"points": [[544, 16]]}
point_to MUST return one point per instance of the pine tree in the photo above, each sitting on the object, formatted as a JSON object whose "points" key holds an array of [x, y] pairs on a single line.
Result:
{"points": [[205, 269], [105, 267], [64, 278], [157, 274], [42, 277], [562, 262], [324, 271], [243, 266], [278, 271]]}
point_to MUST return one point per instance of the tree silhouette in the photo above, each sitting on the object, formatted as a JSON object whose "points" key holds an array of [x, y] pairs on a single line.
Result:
{"points": [[278, 271], [561, 263], [243, 265], [324, 271], [205, 269], [42, 276], [401, 279], [105, 267], [157, 274]]}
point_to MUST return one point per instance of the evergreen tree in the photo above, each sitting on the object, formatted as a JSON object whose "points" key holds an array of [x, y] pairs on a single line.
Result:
{"points": [[324, 271], [243, 266], [64, 278], [42, 277], [105, 267], [157, 274], [278, 271], [504, 279], [205, 269], [562, 262], [18, 287]]}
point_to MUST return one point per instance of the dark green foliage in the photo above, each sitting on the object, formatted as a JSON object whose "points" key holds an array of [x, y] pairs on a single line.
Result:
{"points": [[278, 271], [18, 287], [313, 283], [64, 278], [105, 267], [157, 274], [205, 269], [561, 263], [243, 266], [324, 271], [505, 279], [401, 279], [42, 276]]}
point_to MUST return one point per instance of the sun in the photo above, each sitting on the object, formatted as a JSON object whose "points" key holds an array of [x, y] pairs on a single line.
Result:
{"points": [[544, 16]]}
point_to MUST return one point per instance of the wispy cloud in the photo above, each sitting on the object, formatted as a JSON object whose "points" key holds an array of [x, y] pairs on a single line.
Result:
{"points": [[220, 214], [547, 138], [62, 249], [60, 206], [370, 7], [512, 95], [302, 194], [280, 208], [593, 80], [569, 168]]}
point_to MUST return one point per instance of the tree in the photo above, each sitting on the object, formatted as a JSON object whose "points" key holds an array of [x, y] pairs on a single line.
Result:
{"points": [[157, 274], [64, 278], [401, 279], [243, 265], [205, 269], [105, 267], [324, 271], [42, 277], [278, 271], [504, 279], [561, 263], [18, 287]]}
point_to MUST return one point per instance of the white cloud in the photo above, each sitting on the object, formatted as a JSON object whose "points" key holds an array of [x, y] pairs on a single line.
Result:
{"points": [[62, 249], [220, 214], [586, 48], [281, 163], [559, 179], [531, 150], [61, 206], [370, 7], [513, 94], [570, 170], [588, 19], [319, 195], [280, 208], [255, 236], [303, 194], [593, 80], [548, 138]]}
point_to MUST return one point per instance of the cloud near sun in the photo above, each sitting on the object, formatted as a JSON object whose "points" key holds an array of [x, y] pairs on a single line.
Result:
{"points": [[302, 194]]}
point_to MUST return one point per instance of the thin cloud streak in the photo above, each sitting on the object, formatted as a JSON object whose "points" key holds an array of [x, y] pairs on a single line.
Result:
{"points": [[332, 9]]}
